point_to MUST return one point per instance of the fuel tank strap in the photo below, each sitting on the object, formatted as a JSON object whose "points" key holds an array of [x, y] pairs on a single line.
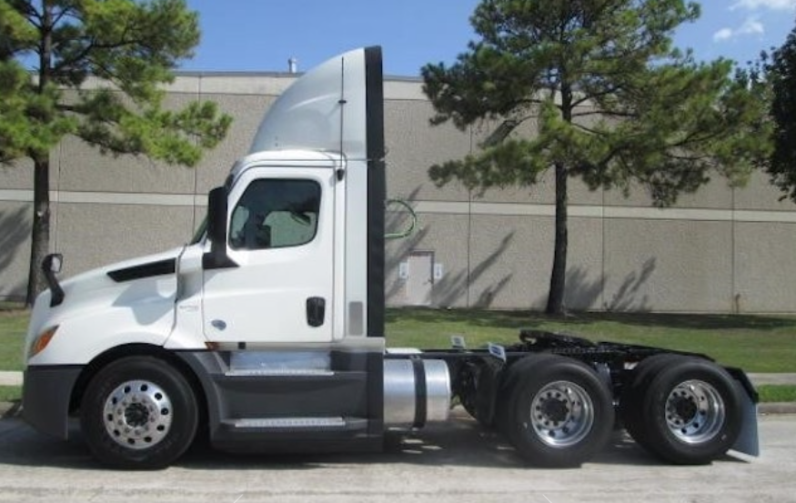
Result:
{"points": [[421, 392]]}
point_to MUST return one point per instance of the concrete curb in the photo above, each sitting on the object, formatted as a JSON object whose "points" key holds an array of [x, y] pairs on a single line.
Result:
{"points": [[10, 378], [776, 408]]}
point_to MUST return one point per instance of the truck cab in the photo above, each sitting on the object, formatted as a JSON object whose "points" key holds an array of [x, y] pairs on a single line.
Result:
{"points": [[270, 322]]}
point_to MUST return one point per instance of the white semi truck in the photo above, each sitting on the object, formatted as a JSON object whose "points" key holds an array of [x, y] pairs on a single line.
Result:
{"points": [[266, 333]]}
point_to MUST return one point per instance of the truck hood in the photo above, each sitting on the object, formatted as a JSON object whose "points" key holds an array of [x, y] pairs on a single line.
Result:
{"points": [[143, 280]]}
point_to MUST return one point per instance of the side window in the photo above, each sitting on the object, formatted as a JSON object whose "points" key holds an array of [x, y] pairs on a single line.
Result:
{"points": [[274, 213]]}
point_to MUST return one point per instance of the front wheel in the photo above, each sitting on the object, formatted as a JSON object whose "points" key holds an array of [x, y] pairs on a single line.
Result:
{"points": [[557, 412], [139, 412]]}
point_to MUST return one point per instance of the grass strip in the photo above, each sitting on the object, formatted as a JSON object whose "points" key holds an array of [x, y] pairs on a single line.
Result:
{"points": [[10, 393], [753, 343], [775, 393], [13, 326]]}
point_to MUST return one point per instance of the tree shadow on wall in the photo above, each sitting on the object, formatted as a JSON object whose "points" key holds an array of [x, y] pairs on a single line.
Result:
{"points": [[584, 294], [14, 232], [449, 288], [626, 297], [629, 307], [396, 221], [452, 286]]}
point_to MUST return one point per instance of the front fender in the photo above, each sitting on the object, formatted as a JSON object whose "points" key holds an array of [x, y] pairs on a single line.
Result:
{"points": [[46, 394], [86, 330]]}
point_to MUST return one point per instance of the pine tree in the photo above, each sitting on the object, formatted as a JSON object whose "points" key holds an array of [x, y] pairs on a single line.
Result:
{"points": [[776, 74], [613, 103], [132, 47]]}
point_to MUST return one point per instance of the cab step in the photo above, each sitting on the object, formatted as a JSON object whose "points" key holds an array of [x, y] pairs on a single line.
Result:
{"points": [[288, 422]]}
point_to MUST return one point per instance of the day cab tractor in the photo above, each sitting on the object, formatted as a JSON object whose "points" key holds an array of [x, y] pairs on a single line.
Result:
{"points": [[266, 333]]}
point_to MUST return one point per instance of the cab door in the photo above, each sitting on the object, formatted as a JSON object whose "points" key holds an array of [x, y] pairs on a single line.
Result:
{"points": [[281, 237]]}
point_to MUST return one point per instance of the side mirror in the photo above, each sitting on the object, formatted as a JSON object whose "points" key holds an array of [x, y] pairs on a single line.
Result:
{"points": [[217, 257], [53, 263], [50, 266], [217, 216]]}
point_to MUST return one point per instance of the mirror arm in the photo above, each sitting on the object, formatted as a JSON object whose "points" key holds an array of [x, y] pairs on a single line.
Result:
{"points": [[50, 266]]}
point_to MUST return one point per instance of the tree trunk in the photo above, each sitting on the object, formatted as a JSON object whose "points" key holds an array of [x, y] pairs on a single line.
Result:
{"points": [[40, 237], [558, 277]]}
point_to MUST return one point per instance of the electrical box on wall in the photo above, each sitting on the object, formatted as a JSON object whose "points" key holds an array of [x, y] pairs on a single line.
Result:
{"points": [[403, 270], [438, 271]]}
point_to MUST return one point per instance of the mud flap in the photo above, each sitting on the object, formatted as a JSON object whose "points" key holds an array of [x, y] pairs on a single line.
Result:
{"points": [[748, 442]]}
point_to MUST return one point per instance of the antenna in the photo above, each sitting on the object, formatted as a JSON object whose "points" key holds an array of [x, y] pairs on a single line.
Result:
{"points": [[342, 103]]}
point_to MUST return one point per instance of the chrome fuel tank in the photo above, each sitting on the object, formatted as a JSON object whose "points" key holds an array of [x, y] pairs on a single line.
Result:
{"points": [[416, 392]]}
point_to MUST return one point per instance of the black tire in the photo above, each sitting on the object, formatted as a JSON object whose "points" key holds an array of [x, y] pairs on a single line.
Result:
{"points": [[630, 403], [139, 413], [690, 412], [509, 379], [557, 412]]}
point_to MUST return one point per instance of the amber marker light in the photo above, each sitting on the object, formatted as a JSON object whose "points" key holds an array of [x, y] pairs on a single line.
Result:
{"points": [[41, 341]]}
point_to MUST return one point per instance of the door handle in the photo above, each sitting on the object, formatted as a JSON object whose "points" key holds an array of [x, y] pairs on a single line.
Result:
{"points": [[316, 311]]}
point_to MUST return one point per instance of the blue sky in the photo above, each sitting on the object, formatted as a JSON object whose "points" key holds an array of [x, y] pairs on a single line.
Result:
{"points": [[260, 35]]}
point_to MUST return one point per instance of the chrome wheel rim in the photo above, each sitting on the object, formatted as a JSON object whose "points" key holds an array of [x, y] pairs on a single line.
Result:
{"points": [[562, 414], [138, 414], [695, 411]]}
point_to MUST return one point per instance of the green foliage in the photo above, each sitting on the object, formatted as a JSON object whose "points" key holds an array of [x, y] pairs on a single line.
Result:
{"points": [[132, 49], [129, 49], [776, 73], [21, 105], [612, 100]]}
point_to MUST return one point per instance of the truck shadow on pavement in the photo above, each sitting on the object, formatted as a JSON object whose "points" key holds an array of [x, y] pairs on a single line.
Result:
{"points": [[452, 445], [460, 443]]}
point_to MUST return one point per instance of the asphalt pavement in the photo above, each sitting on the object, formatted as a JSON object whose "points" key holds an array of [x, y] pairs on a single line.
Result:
{"points": [[457, 462]]}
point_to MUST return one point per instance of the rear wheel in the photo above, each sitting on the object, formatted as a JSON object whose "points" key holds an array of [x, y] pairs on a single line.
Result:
{"points": [[689, 411], [139, 412], [557, 412], [630, 408]]}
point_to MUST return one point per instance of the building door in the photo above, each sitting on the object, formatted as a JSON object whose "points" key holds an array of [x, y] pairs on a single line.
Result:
{"points": [[420, 280]]}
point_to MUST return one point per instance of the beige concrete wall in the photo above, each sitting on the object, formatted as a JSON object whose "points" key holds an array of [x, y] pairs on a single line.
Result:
{"points": [[15, 226], [719, 250], [118, 232]]}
